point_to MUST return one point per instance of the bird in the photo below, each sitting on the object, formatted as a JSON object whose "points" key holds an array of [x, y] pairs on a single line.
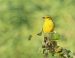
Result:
{"points": [[48, 25]]}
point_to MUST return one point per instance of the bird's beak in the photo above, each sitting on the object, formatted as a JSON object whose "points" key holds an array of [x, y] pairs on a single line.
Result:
{"points": [[43, 17]]}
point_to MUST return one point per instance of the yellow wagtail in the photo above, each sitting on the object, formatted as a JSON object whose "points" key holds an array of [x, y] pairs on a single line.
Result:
{"points": [[48, 25]]}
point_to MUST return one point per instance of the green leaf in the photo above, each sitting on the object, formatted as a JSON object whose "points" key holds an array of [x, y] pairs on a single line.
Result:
{"points": [[30, 36], [56, 36], [39, 34]]}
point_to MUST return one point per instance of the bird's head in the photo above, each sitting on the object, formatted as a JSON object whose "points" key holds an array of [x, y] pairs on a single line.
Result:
{"points": [[47, 17]]}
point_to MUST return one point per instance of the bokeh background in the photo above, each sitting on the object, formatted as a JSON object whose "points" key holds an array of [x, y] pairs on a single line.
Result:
{"points": [[19, 18]]}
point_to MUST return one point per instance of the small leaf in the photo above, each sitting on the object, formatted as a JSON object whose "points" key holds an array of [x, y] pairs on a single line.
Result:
{"points": [[30, 36], [39, 34], [56, 36]]}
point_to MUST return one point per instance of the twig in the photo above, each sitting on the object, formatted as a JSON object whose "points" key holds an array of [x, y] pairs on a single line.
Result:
{"points": [[50, 46]]}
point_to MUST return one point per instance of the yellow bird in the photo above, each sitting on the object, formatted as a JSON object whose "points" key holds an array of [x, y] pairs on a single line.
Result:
{"points": [[48, 25]]}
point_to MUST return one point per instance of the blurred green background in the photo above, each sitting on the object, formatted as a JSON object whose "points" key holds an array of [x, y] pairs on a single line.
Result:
{"points": [[19, 18]]}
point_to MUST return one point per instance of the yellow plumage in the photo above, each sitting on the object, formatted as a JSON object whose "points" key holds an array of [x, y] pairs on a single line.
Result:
{"points": [[48, 25]]}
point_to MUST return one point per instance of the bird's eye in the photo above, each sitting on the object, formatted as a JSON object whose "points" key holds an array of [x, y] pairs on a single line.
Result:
{"points": [[43, 17], [48, 17]]}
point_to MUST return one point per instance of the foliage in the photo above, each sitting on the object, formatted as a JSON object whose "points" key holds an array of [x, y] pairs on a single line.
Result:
{"points": [[19, 18]]}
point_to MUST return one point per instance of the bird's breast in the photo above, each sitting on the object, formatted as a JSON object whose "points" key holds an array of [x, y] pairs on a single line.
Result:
{"points": [[48, 26]]}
